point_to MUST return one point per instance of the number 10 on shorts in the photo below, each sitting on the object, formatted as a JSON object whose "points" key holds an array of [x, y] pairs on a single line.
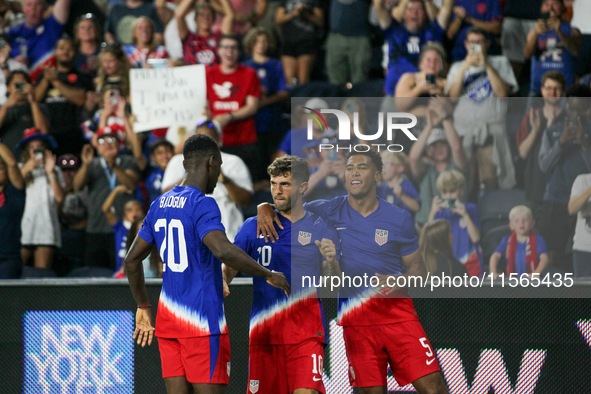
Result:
{"points": [[317, 366]]}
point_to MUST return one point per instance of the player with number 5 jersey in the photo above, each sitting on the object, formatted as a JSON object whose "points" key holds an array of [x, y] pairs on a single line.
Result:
{"points": [[186, 227], [287, 336]]}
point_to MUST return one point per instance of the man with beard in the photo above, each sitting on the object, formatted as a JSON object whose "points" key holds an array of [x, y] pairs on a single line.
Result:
{"points": [[187, 228], [380, 326], [287, 336], [63, 89]]}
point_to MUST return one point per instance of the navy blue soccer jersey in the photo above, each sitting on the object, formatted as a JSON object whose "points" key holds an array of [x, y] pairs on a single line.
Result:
{"points": [[370, 245], [276, 319], [191, 300]]}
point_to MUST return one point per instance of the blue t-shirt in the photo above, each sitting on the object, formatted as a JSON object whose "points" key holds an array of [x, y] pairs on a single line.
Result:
{"points": [[191, 300], [120, 232], [520, 252], [12, 207], [272, 78], [484, 10], [405, 49], [274, 318], [39, 42], [408, 188], [153, 183], [372, 244], [552, 55]]}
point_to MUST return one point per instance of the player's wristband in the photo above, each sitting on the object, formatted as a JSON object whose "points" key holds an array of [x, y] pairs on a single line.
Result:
{"points": [[144, 306]]}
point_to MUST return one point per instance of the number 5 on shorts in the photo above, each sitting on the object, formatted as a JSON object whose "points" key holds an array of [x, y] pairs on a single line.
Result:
{"points": [[426, 345]]}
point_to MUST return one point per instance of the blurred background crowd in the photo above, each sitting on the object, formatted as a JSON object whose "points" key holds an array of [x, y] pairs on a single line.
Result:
{"points": [[501, 90]]}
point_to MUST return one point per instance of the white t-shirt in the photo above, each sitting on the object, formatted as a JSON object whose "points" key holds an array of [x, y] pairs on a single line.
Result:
{"points": [[581, 16], [582, 239], [234, 168], [172, 41], [478, 102]]}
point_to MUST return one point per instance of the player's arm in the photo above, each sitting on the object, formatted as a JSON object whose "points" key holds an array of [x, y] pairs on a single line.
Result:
{"points": [[330, 265], [237, 259], [134, 269], [228, 273], [415, 267]]}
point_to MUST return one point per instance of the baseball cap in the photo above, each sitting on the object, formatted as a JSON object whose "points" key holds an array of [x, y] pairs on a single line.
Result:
{"points": [[436, 135], [33, 133], [112, 130]]}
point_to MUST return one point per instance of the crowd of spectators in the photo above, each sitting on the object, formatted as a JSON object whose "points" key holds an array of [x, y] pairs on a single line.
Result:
{"points": [[76, 180]]}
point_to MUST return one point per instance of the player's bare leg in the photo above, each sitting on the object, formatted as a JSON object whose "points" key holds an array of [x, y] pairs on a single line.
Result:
{"points": [[374, 390], [431, 384], [207, 388], [177, 385], [305, 391]]}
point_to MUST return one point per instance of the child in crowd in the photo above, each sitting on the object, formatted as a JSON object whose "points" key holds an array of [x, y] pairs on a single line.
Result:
{"points": [[436, 243], [397, 189], [463, 218], [132, 211], [524, 251]]}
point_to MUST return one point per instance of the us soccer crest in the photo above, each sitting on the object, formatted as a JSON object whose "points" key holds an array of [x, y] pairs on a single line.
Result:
{"points": [[304, 237], [381, 236], [254, 386]]}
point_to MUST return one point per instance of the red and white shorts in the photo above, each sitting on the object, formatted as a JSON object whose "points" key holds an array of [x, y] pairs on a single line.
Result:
{"points": [[281, 369], [199, 359], [403, 345]]}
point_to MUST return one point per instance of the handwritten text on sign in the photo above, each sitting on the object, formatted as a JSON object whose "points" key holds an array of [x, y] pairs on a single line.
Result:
{"points": [[167, 97]]}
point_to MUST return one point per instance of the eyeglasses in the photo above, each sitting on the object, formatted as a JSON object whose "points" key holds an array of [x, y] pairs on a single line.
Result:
{"points": [[106, 140]]}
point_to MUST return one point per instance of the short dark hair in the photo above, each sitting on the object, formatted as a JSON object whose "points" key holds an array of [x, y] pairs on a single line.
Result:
{"points": [[230, 36], [200, 147], [18, 72], [554, 75], [477, 30], [287, 164], [160, 142], [374, 156], [577, 90]]}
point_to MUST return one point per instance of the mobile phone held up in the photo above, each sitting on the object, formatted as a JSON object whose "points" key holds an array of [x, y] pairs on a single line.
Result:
{"points": [[431, 78], [476, 48], [115, 96], [19, 85]]}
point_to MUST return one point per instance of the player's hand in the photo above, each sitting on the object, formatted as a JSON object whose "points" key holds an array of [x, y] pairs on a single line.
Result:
{"points": [[266, 216], [383, 283], [327, 249], [144, 327], [279, 280], [226, 289]]}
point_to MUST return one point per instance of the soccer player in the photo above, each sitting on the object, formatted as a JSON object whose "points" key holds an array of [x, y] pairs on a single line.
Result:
{"points": [[379, 239], [191, 325], [287, 336]]}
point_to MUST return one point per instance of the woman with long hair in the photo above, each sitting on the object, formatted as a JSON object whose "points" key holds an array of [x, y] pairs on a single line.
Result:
{"points": [[144, 45], [114, 69], [436, 244]]}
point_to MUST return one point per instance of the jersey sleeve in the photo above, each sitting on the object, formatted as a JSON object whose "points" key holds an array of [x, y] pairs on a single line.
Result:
{"points": [[502, 247], [322, 208], [146, 231], [208, 217], [409, 242]]}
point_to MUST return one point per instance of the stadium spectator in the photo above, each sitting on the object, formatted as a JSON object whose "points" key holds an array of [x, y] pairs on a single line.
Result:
{"points": [[73, 215], [406, 29], [327, 174], [564, 155], [161, 152], [122, 16], [45, 191], [12, 206], [63, 90], [479, 117], [530, 134], [463, 218], [102, 174], [524, 251], [258, 43], [485, 14], [301, 22], [33, 41], [87, 37], [7, 65], [234, 189], [348, 46], [436, 243], [247, 14], [21, 111], [202, 47], [580, 204], [552, 45], [144, 47], [396, 188], [437, 149], [114, 69], [233, 92], [11, 15], [519, 18], [581, 12], [132, 211]]}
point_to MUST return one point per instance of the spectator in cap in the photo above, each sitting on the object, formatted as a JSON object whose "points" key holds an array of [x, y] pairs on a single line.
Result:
{"points": [[21, 111], [87, 37], [45, 191], [73, 216], [234, 189], [440, 143], [12, 206], [102, 174], [161, 151]]}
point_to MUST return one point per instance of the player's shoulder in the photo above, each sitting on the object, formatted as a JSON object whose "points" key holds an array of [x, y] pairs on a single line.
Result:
{"points": [[250, 224]]}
